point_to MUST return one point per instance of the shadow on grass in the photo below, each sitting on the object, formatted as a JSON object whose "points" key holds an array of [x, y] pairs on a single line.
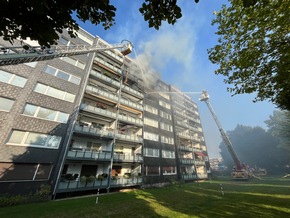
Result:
{"points": [[189, 200]]}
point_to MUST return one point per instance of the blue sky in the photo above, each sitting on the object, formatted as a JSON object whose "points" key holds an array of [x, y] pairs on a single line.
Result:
{"points": [[179, 54]]}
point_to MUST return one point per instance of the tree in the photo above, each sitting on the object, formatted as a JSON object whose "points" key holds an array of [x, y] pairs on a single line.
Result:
{"points": [[279, 126], [42, 20], [257, 148], [253, 50]]}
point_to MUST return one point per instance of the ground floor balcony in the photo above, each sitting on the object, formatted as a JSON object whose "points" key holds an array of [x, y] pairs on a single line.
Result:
{"points": [[189, 176], [122, 182], [202, 176], [80, 185], [92, 183]]}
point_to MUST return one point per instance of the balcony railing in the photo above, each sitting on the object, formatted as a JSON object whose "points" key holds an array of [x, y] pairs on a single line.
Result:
{"points": [[74, 184], [116, 84], [130, 119], [127, 157], [188, 176], [202, 176], [97, 110], [187, 161], [117, 182], [105, 78], [89, 155], [200, 162], [129, 138], [113, 97], [108, 65], [185, 148], [94, 131]]}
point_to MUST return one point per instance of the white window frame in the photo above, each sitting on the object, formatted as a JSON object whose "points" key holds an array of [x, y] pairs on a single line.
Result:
{"points": [[151, 109], [166, 127], [70, 76], [151, 136], [2, 109], [38, 108], [46, 145], [12, 78], [64, 94], [168, 140], [164, 104], [151, 122], [165, 115], [155, 152], [168, 154]]}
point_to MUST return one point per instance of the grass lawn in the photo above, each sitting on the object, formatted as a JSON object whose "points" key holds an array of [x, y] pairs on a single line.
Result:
{"points": [[263, 198]]}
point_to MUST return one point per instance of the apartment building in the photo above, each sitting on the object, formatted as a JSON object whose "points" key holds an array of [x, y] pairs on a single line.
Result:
{"points": [[86, 123]]}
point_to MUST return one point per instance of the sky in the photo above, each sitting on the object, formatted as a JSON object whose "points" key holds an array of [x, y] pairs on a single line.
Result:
{"points": [[179, 54]]}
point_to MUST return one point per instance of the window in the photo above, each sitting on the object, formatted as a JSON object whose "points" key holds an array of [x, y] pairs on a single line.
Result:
{"points": [[152, 171], [164, 104], [74, 62], [165, 115], [168, 154], [151, 152], [93, 146], [85, 38], [62, 75], [56, 93], [31, 64], [6, 104], [63, 41], [24, 171], [168, 170], [167, 140], [12, 79], [166, 127], [45, 113], [151, 109], [151, 136], [151, 122], [164, 95], [34, 139]]}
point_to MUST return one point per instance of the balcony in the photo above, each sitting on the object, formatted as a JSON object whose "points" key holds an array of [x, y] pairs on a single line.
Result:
{"points": [[123, 157], [202, 176], [132, 91], [132, 138], [189, 177], [185, 148], [200, 162], [110, 66], [129, 119], [121, 182], [131, 104], [186, 161], [105, 78], [93, 131], [99, 92], [97, 110], [187, 136], [89, 155], [183, 124], [74, 185]]}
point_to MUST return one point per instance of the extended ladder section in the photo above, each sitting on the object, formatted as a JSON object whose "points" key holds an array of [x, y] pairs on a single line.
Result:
{"points": [[26, 53], [239, 166]]}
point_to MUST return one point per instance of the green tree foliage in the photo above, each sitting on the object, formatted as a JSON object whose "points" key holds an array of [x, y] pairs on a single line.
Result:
{"points": [[257, 148], [253, 50], [42, 20], [279, 126]]}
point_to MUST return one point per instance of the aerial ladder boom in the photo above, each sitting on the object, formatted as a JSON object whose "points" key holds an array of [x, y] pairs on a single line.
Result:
{"points": [[26, 53], [240, 170]]}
